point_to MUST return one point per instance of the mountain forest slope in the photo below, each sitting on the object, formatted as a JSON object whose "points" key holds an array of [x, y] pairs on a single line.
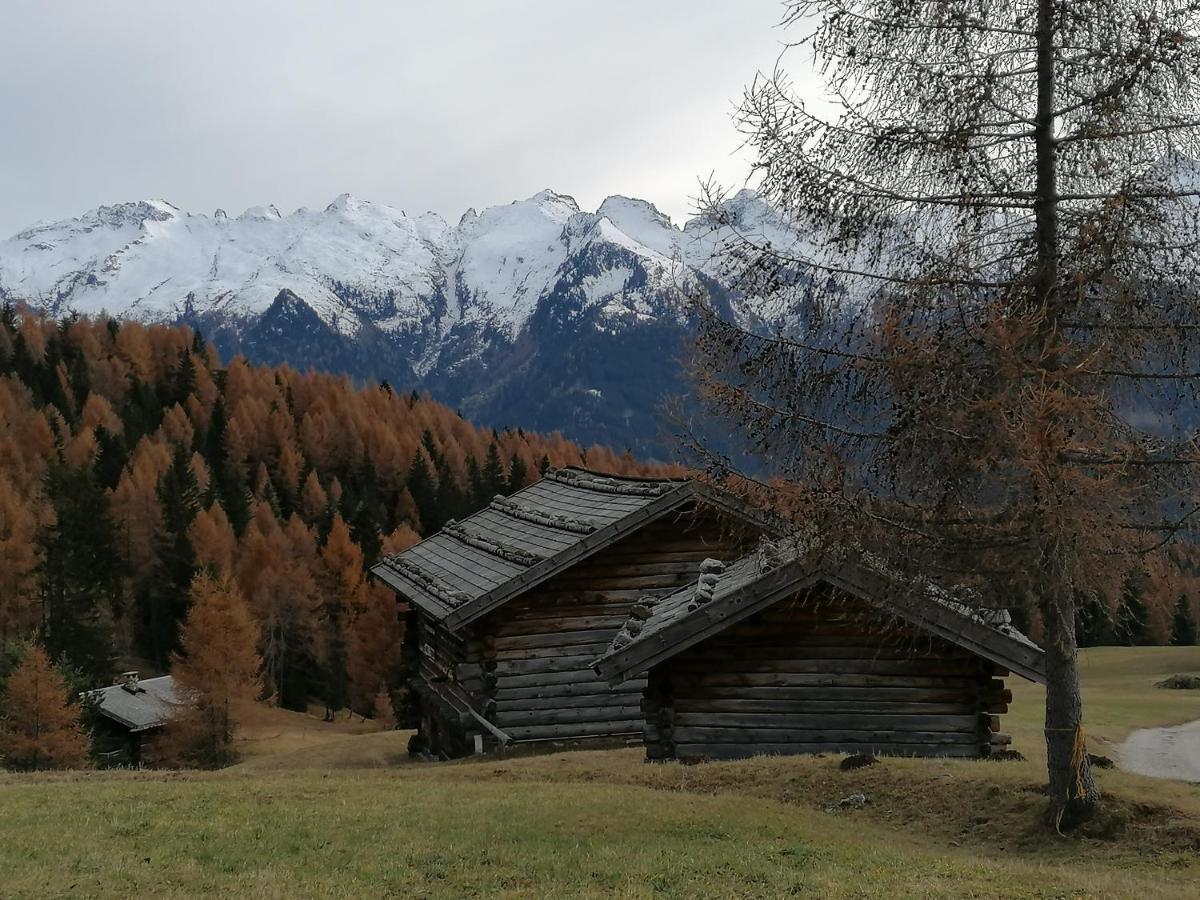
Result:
{"points": [[130, 458]]}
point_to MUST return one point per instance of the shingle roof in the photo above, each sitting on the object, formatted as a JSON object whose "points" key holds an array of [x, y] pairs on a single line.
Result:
{"points": [[471, 567], [152, 705], [726, 594]]}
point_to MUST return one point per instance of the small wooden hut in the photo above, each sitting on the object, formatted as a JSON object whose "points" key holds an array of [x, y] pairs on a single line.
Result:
{"points": [[128, 712], [784, 652], [513, 604]]}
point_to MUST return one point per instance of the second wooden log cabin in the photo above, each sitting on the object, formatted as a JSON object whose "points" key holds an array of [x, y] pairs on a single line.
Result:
{"points": [[513, 604], [787, 652]]}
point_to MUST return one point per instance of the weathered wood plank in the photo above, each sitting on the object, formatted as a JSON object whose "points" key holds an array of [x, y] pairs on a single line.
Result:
{"points": [[573, 715], [869, 722], [564, 622], [579, 665], [562, 688], [903, 667], [693, 734], [807, 679], [711, 750], [711, 707], [561, 701], [587, 728], [560, 639]]}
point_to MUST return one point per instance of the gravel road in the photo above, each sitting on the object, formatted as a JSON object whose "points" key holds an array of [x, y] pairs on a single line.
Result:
{"points": [[1164, 752]]}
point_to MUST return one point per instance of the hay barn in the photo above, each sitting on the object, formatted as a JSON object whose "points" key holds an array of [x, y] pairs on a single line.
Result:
{"points": [[785, 652], [512, 606]]}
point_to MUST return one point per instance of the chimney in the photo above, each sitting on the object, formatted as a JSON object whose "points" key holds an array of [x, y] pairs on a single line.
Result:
{"points": [[129, 681]]}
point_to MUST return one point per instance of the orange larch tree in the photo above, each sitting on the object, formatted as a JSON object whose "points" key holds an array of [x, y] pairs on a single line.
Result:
{"points": [[40, 728], [217, 668]]}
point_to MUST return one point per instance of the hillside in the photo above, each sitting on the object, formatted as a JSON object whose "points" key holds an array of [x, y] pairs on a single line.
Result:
{"points": [[535, 312], [131, 458], [317, 810]]}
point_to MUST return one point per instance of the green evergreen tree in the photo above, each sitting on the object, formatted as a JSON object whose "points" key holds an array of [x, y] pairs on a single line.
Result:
{"points": [[516, 474], [183, 379], [424, 493], [164, 601], [1093, 624], [452, 501], [544, 465], [494, 480], [1183, 624], [111, 457], [475, 483], [81, 577], [1132, 618]]}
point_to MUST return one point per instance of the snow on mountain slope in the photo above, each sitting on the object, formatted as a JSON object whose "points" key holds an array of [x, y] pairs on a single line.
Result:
{"points": [[353, 261], [484, 312]]}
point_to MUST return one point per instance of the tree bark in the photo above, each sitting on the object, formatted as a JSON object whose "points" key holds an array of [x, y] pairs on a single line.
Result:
{"points": [[1072, 791]]}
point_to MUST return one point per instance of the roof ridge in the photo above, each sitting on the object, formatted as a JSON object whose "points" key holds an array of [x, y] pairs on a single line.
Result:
{"points": [[662, 479], [613, 484]]}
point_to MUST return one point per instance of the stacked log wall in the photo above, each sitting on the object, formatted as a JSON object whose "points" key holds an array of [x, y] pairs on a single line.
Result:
{"points": [[819, 674], [445, 664], [537, 651]]}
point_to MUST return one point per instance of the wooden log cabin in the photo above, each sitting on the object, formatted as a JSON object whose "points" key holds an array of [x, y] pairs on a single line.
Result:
{"points": [[784, 652], [512, 605]]}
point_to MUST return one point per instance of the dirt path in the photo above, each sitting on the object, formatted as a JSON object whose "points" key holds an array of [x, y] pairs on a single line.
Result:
{"points": [[1164, 752]]}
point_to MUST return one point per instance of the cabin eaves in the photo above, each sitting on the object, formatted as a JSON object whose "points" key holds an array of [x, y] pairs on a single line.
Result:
{"points": [[723, 596]]}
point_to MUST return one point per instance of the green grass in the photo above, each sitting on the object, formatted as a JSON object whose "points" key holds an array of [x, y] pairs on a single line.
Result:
{"points": [[342, 816], [406, 834], [1118, 693]]}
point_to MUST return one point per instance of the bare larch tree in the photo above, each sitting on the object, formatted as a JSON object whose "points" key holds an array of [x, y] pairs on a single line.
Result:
{"points": [[987, 375]]}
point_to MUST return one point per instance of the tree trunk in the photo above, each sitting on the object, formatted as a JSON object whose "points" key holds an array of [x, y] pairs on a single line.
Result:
{"points": [[1073, 794]]}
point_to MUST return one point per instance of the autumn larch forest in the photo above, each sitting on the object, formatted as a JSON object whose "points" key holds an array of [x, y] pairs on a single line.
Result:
{"points": [[135, 465]]}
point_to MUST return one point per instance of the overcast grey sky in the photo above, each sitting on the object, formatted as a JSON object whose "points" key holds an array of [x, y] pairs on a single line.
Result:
{"points": [[439, 104]]}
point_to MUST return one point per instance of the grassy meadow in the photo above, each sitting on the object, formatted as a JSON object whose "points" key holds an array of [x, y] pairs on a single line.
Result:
{"points": [[320, 810]]}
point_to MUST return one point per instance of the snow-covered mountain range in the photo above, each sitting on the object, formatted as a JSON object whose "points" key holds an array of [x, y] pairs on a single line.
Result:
{"points": [[535, 314]]}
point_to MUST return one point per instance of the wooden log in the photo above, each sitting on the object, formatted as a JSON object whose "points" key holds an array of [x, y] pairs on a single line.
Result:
{"points": [[558, 701], [807, 679], [703, 705], [695, 734], [510, 682], [557, 639], [563, 688], [562, 622], [590, 650], [900, 693], [585, 728], [580, 664], [710, 750], [966, 725], [571, 715], [849, 651], [828, 667]]}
